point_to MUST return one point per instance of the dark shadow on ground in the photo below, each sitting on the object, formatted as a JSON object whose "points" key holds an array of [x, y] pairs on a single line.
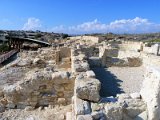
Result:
{"points": [[109, 83], [9, 60]]}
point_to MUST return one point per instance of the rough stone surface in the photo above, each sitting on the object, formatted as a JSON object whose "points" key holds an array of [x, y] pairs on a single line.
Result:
{"points": [[88, 89], [113, 112], [84, 117], [90, 74], [134, 107], [2, 108], [135, 95], [142, 116], [97, 115], [150, 92], [81, 107]]}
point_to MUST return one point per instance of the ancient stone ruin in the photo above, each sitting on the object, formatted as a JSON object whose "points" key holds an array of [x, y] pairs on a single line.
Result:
{"points": [[101, 80]]}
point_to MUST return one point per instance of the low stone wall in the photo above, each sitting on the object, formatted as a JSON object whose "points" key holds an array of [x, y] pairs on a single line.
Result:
{"points": [[92, 39], [115, 57], [154, 49], [131, 45], [40, 88], [89, 105], [43, 85]]}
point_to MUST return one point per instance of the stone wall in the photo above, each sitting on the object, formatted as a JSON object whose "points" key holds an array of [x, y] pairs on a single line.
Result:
{"points": [[39, 88], [151, 86], [63, 57], [92, 39], [117, 57], [43, 84], [154, 49], [89, 105], [86, 88], [131, 45]]}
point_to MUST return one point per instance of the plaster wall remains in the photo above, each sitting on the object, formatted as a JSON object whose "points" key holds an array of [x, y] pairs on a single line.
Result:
{"points": [[63, 57], [111, 56], [130, 45], [92, 39], [153, 49]]}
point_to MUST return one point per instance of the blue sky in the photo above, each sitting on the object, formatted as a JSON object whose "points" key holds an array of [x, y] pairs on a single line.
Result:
{"points": [[81, 16]]}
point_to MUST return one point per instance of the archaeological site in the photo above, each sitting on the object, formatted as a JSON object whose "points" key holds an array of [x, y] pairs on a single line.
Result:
{"points": [[80, 78]]}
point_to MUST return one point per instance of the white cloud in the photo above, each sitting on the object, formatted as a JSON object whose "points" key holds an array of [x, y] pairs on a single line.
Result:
{"points": [[32, 24], [136, 25]]}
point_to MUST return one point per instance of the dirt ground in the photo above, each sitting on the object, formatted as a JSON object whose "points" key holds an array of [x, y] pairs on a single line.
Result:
{"points": [[56, 113], [119, 79]]}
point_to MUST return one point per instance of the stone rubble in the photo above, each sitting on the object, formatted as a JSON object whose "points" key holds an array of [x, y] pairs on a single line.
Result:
{"points": [[63, 76]]}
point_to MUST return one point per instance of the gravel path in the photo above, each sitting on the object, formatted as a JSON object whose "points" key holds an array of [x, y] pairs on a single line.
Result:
{"points": [[119, 79]]}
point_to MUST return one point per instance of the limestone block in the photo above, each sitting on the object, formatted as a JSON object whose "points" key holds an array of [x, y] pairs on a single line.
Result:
{"points": [[88, 89], [1, 93], [60, 94], [113, 112], [135, 95], [97, 115], [69, 116], [84, 117], [9, 89], [21, 106], [96, 106], [49, 69], [81, 57], [80, 67], [39, 76], [61, 77], [85, 66], [61, 101], [68, 94], [33, 104], [87, 107], [81, 107], [69, 87], [59, 88], [90, 74], [29, 108], [11, 105], [36, 60], [2, 108], [11, 94], [142, 116], [134, 107], [3, 101], [24, 62], [78, 106], [51, 62], [123, 96]]}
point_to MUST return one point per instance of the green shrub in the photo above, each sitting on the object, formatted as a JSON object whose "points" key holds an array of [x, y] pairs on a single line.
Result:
{"points": [[4, 47], [154, 41]]}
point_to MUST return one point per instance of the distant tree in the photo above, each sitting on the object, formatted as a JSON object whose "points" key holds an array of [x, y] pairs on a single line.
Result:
{"points": [[4, 47], [38, 35], [65, 36]]}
